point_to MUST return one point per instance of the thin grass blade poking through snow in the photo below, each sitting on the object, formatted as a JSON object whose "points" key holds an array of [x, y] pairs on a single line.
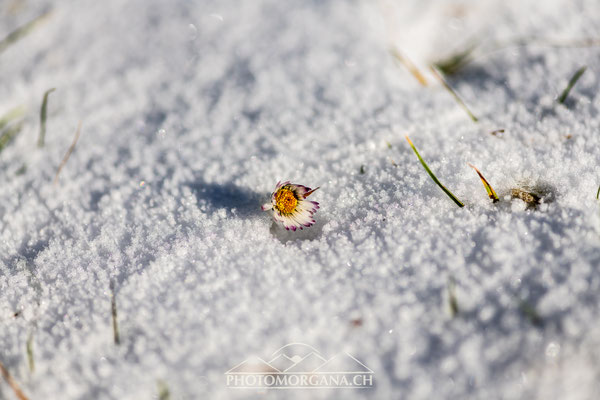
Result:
{"points": [[453, 93], [452, 301], [412, 68], [454, 63], [11, 116], [570, 85], [43, 114], [163, 391], [531, 313], [13, 123], [435, 179], [29, 348], [598, 194], [22, 31], [9, 134], [290, 206], [486, 184]]}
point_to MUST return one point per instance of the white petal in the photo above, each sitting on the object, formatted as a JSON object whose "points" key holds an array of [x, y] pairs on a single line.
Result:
{"points": [[307, 205], [289, 222], [304, 218]]}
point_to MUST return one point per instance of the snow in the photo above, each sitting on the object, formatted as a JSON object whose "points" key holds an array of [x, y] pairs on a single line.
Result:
{"points": [[192, 111]]}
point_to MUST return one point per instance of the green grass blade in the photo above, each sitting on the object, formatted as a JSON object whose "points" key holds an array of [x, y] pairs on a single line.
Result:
{"points": [[22, 31], [455, 62], [452, 301], [10, 116], [598, 194], [21, 170], [435, 179], [453, 93], [43, 114], [486, 184], [30, 358], [9, 134], [531, 313], [163, 391], [572, 83]]}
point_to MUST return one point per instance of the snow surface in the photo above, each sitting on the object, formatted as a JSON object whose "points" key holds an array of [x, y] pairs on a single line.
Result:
{"points": [[192, 111]]}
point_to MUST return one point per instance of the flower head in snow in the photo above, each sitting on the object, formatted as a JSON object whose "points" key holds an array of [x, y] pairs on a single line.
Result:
{"points": [[290, 206]]}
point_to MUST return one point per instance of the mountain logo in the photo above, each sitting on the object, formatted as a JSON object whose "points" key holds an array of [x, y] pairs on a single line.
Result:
{"points": [[300, 366]]}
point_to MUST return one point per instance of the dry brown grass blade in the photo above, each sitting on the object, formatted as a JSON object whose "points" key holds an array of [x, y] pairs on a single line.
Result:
{"points": [[412, 68], [68, 153], [12, 383]]}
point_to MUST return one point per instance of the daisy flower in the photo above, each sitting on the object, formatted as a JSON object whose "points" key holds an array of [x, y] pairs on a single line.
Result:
{"points": [[290, 206]]}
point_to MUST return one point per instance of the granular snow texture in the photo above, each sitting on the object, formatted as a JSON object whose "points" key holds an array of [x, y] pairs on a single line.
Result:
{"points": [[192, 111]]}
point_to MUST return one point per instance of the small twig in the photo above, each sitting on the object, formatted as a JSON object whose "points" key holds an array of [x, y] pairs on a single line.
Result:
{"points": [[571, 83], [412, 68], [68, 153], [12, 383], [22, 31], [113, 306], [43, 114], [453, 93]]}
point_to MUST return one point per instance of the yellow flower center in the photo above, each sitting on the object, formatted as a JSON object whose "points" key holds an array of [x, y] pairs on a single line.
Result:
{"points": [[285, 201]]}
